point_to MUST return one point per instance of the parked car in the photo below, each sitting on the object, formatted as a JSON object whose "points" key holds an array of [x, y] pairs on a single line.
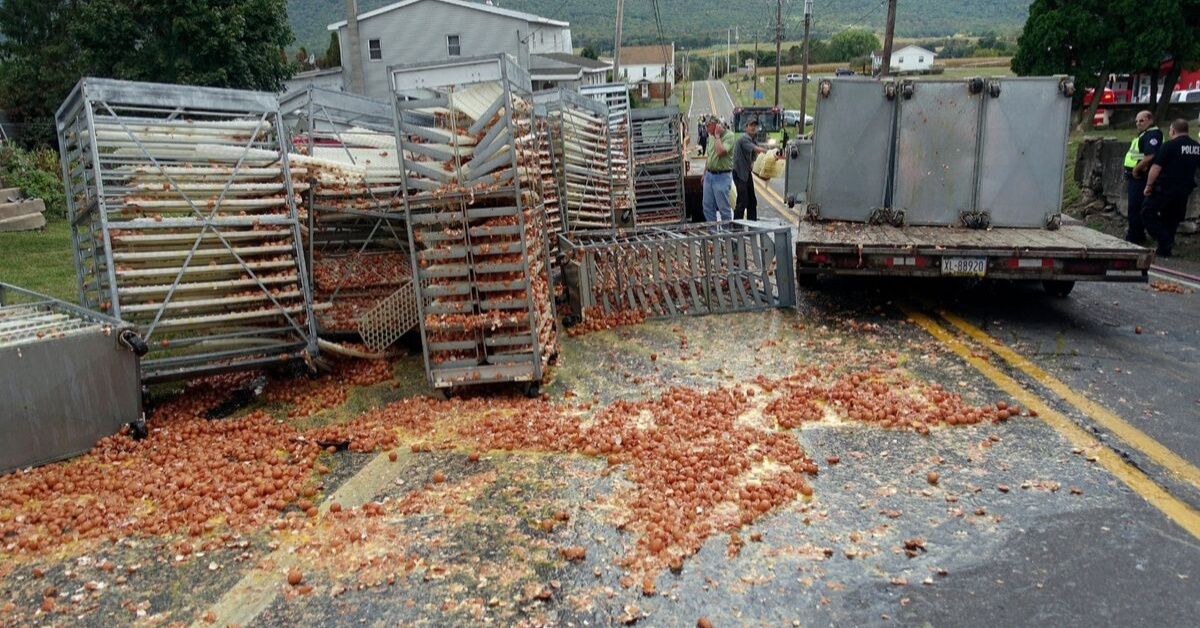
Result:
{"points": [[1186, 95], [795, 77], [791, 117], [843, 72]]}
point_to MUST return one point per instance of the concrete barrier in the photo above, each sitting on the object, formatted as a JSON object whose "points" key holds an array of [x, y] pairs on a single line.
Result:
{"points": [[22, 215]]}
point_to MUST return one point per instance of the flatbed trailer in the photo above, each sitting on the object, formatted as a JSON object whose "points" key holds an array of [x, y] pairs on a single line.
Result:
{"points": [[1058, 258]]}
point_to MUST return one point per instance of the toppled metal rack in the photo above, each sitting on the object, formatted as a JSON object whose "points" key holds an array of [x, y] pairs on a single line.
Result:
{"points": [[68, 377], [584, 166], [183, 222], [615, 97], [356, 242], [478, 231], [659, 160], [703, 268]]}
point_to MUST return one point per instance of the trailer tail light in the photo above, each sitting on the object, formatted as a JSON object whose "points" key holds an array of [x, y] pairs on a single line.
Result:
{"points": [[1122, 264], [818, 258]]}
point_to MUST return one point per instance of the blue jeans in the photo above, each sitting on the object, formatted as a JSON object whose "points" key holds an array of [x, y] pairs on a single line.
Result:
{"points": [[716, 196]]}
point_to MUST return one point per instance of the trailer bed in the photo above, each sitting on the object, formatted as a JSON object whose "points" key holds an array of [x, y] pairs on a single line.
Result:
{"points": [[1073, 252]]}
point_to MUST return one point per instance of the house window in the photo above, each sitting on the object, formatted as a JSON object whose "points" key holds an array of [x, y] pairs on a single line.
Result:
{"points": [[921, 59], [643, 72], [900, 60], [541, 37], [626, 72], [453, 48], [374, 50]]}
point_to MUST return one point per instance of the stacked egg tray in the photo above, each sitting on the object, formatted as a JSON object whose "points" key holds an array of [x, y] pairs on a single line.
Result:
{"points": [[584, 174], [659, 159], [615, 98], [355, 238], [479, 233], [687, 269], [184, 223], [543, 130]]}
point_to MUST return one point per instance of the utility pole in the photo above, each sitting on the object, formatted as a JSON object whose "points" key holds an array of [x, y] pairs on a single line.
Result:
{"points": [[728, 47], [354, 48], [808, 6], [617, 43], [754, 90], [778, 45], [885, 64]]}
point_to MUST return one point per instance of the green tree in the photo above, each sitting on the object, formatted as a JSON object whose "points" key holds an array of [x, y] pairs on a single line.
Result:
{"points": [[38, 64], [1161, 28], [233, 43], [333, 54], [852, 43], [48, 45], [589, 53], [1083, 38]]}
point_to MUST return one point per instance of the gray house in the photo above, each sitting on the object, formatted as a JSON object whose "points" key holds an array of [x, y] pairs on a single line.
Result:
{"points": [[421, 31]]}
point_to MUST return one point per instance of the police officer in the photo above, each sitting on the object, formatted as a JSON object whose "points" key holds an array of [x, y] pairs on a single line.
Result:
{"points": [[1137, 162], [1171, 180]]}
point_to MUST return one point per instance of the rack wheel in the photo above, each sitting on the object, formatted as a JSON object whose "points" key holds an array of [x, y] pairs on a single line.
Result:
{"points": [[533, 390], [445, 394], [553, 360], [569, 321], [138, 429]]}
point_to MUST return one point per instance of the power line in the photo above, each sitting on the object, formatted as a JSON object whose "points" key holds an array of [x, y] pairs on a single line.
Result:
{"points": [[553, 15]]}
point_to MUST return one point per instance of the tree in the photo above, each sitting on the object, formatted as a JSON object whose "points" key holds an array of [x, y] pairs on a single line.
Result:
{"points": [[1172, 26], [1083, 38], [38, 65], [589, 52], [234, 43], [852, 43], [48, 45], [333, 54]]}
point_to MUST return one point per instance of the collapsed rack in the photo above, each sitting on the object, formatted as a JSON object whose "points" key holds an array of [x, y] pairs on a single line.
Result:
{"points": [[183, 223], [658, 158], [356, 242], [615, 97], [704, 268], [478, 231]]}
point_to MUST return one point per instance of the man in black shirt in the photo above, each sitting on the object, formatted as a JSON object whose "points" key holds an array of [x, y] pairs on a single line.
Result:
{"points": [[744, 153], [1171, 180], [1137, 163]]}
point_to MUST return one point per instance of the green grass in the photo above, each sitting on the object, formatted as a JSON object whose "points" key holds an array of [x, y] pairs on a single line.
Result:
{"points": [[40, 260]]}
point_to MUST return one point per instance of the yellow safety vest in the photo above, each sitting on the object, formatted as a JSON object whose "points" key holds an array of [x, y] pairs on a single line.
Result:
{"points": [[1134, 155]]}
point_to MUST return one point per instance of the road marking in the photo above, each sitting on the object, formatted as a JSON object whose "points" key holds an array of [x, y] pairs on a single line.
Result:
{"points": [[1107, 419], [725, 88], [1135, 479], [1174, 279], [774, 200], [712, 104], [257, 590]]}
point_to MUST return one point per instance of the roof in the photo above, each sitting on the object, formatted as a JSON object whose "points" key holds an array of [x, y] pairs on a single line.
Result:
{"points": [[646, 55], [583, 62], [542, 67], [879, 53], [487, 8]]}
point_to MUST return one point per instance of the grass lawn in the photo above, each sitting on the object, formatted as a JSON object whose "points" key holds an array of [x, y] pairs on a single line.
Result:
{"points": [[40, 260]]}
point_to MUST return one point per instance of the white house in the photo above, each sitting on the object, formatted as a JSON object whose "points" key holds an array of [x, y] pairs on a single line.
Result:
{"points": [[424, 31], [560, 69], [649, 69], [909, 59]]}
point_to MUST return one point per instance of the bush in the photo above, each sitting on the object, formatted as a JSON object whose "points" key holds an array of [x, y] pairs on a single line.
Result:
{"points": [[37, 173]]}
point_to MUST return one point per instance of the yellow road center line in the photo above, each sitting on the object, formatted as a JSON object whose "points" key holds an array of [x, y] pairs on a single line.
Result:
{"points": [[1134, 437], [712, 104], [773, 200], [1155, 495]]}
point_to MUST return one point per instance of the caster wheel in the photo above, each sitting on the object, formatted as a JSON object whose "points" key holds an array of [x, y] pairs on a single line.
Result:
{"points": [[138, 429], [534, 390], [569, 321]]}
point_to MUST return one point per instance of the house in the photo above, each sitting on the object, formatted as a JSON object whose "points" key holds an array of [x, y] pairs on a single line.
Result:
{"points": [[907, 60], [649, 70], [561, 69], [329, 78], [426, 31]]}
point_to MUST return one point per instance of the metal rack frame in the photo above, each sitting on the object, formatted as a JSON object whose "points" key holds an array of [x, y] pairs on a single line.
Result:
{"points": [[477, 227], [615, 97], [184, 223], [355, 210], [659, 161], [686, 269], [584, 173]]}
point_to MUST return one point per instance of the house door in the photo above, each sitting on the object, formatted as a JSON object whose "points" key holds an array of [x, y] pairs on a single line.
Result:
{"points": [[645, 91]]}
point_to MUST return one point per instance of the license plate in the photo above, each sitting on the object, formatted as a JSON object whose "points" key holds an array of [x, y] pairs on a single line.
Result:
{"points": [[964, 266]]}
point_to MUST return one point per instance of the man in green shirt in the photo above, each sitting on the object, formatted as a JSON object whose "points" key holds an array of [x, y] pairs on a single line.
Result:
{"points": [[718, 172]]}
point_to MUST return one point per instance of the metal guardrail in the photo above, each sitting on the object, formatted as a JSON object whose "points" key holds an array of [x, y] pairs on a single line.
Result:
{"points": [[478, 231], [688, 269], [183, 223]]}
